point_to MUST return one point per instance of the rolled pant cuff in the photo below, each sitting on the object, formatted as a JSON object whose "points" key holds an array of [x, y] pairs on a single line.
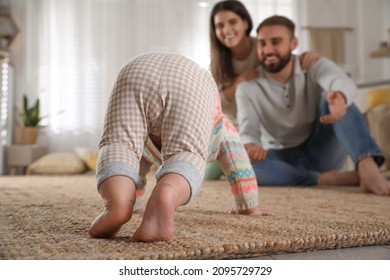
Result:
{"points": [[185, 169], [118, 169], [378, 158]]}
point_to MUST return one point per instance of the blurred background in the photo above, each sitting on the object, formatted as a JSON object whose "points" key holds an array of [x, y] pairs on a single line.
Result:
{"points": [[67, 53]]}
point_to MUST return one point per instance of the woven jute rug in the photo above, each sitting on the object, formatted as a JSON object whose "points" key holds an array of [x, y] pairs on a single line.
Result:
{"points": [[44, 217]]}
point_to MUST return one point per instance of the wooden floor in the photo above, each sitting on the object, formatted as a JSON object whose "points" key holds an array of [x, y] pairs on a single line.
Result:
{"points": [[356, 253]]}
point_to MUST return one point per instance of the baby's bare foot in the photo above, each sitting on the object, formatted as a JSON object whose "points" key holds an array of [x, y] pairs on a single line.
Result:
{"points": [[371, 179], [118, 193], [108, 234], [158, 219], [110, 221], [335, 178]]}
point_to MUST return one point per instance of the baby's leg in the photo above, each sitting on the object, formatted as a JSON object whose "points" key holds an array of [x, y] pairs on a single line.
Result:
{"points": [[118, 193], [186, 110], [171, 191]]}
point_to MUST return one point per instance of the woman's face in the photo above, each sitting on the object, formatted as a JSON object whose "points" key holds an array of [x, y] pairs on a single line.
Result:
{"points": [[230, 28]]}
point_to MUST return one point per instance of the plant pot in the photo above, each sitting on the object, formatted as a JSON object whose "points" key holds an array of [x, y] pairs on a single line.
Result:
{"points": [[26, 135]]}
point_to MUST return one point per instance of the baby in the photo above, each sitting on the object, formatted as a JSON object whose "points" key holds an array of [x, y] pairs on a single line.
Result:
{"points": [[164, 109]]}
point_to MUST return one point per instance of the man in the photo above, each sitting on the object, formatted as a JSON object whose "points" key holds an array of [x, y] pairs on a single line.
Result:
{"points": [[299, 127]]}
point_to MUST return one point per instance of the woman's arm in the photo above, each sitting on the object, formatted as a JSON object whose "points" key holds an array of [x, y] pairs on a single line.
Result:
{"points": [[308, 59]]}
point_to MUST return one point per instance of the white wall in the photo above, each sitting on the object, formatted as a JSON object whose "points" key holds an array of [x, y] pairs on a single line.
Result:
{"points": [[370, 23], [386, 32]]}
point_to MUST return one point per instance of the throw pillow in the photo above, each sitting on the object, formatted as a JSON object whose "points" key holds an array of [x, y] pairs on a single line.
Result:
{"points": [[378, 96], [57, 164], [88, 156]]}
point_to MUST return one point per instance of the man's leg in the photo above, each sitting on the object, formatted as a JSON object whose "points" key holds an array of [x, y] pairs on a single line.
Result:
{"points": [[350, 135], [367, 156], [284, 168], [277, 172], [325, 154]]}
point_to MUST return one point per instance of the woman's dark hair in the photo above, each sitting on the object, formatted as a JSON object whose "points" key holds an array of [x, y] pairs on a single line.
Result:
{"points": [[221, 58]]}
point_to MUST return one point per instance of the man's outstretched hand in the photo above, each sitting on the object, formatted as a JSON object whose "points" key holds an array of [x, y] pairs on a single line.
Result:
{"points": [[337, 107]]}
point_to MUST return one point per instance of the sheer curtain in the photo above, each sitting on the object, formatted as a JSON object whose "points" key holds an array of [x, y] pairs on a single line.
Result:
{"points": [[76, 49]]}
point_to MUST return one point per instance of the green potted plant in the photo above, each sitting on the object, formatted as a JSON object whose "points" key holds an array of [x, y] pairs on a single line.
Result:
{"points": [[26, 132]]}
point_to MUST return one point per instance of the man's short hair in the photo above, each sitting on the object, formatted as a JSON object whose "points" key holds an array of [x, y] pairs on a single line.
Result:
{"points": [[278, 20]]}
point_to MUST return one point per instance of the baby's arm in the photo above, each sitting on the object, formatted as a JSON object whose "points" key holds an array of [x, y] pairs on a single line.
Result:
{"points": [[225, 145], [238, 170]]}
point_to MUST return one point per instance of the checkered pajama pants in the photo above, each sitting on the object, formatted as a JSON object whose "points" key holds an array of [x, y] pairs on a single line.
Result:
{"points": [[161, 94], [169, 95]]}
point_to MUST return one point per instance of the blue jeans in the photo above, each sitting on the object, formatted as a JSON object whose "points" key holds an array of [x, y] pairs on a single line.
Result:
{"points": [[326, 149]]}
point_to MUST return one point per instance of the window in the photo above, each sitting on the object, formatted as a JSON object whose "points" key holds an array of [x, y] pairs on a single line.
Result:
{"points": [[81, 46]]}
